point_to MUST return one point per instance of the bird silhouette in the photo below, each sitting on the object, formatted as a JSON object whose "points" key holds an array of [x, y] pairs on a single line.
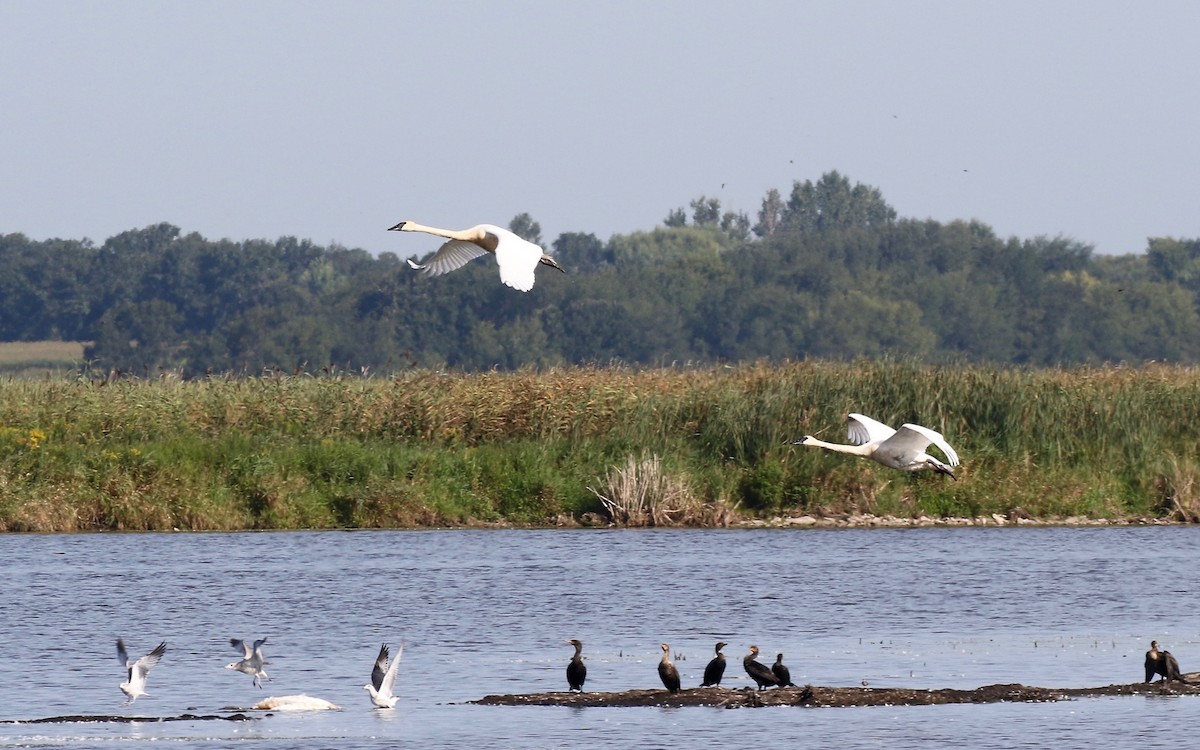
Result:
{"points": [[902, 449], [667, 671], [516, 257], [576, 669], [760, 673], [716, 667], [782, 674], [1161, 663]]}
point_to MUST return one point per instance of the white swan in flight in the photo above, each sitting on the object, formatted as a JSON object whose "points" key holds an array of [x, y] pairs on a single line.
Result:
{"points": [[516, 257], [902, 449], [136, 671], [252, 659], [383, 677]]}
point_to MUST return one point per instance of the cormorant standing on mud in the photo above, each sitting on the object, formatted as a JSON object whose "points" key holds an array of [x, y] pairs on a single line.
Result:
{"points": [[1161, 662], [576, 670], [782, 674], [759, 672], [716, 668], [667, 671]]}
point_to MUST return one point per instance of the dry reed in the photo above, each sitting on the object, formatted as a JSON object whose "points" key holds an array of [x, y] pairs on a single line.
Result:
{"points": [[641, 493]]}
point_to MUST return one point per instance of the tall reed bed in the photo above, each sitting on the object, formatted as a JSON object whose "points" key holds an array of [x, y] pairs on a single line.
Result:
{"points": [[428, 448]]}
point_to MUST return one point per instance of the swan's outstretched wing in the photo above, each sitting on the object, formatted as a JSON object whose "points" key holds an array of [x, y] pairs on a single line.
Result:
{"points": [[917, 438], [389, 679], [517, 260], [380, 669], [865, 430], [450, 257]]}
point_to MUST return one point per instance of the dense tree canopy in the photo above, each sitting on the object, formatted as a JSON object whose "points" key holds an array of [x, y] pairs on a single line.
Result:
{"points": [[828, 271]]}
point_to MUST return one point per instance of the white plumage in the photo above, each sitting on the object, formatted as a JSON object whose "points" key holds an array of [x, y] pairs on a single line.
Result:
{"points": [[902, 449], [136, 671], [516, 257], [383, 678]]}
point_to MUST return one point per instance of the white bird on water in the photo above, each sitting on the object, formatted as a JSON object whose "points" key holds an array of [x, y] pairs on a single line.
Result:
{"points": [[516, 257], [252, 659], [902, 449], [383, 677], [135, 680]]}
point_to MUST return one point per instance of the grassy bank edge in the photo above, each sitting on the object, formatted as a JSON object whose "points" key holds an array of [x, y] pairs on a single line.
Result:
{"points": [[705, 447]]}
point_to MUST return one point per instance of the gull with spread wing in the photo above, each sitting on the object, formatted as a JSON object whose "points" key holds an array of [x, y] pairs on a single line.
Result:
{"points": [[136, 671]]}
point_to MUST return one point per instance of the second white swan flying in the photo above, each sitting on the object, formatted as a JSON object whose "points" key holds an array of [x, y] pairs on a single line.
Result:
{"points": [[902, 449]]}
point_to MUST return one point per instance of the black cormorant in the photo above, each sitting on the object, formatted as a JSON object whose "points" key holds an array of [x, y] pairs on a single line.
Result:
{"points": [[716, 668], [1162, 663], [667, 671], [782, 674], [759, 672], [576, 670]]}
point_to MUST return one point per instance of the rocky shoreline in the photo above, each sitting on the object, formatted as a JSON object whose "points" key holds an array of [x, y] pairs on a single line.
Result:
{"points": [[1013, 518], [811, 696]]}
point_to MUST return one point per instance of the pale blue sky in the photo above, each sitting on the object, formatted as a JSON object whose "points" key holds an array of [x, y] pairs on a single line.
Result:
{"points": [[333, 120]]}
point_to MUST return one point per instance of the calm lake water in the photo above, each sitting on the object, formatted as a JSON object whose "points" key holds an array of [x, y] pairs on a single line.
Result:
{"points": [[485, 612]]}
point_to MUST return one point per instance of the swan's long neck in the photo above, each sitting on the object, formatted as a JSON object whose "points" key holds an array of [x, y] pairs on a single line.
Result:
{"points": [[854, 450], [467, 235]]}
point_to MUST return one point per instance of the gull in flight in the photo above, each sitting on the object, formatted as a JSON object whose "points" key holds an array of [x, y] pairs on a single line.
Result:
{"points": [[902, 449], [516, 257], [252, 659], [135, 680], [383, 677]]}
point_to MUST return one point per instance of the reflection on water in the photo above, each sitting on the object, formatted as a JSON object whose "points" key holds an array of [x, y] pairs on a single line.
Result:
{"points": [[488, 612]]}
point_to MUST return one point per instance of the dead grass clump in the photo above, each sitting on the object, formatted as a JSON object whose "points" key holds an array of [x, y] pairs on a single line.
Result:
{"points": [[1180, 491], [641, 493]]}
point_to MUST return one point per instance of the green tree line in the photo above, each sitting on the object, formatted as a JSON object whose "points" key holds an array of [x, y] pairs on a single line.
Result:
{"points": [[828, 270]]}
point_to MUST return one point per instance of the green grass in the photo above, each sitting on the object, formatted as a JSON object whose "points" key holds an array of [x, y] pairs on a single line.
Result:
{"points": [[430, 448]]}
